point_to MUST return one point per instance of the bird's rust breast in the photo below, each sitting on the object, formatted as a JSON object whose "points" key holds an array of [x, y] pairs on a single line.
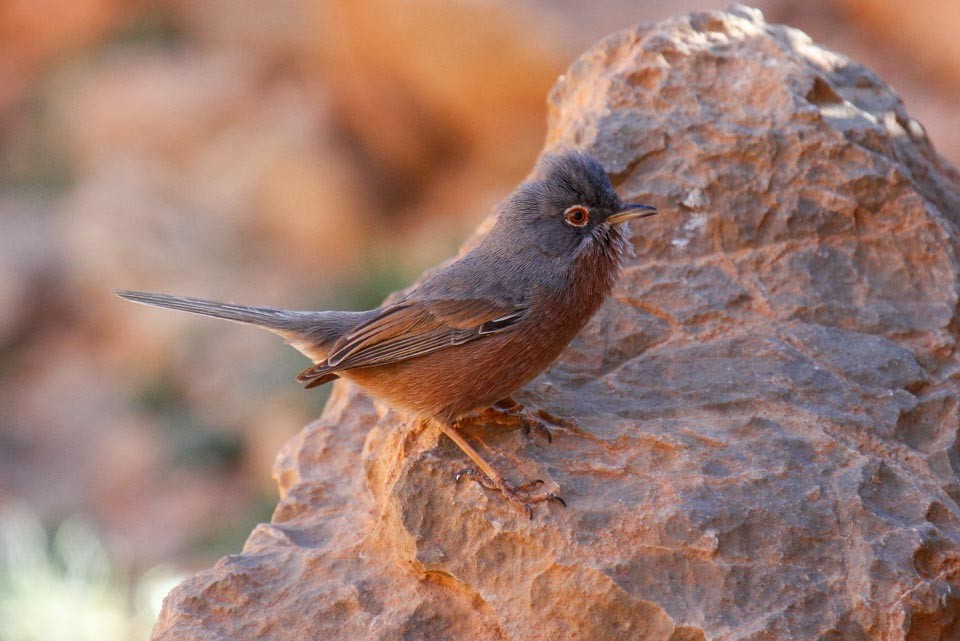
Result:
{"points": [[460, 379]]}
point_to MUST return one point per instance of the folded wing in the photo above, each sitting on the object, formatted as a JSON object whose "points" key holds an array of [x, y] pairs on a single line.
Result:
{"points": [[410, 329]]}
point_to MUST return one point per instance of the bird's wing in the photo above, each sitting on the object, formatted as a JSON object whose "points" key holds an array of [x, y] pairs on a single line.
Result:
{"points": [[413, 328]]}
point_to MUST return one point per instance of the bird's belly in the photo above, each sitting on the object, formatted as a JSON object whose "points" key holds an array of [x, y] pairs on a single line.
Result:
{"points": [[457, 380]]}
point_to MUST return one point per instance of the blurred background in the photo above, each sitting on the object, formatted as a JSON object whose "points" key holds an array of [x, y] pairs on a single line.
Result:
{"points": [[299, 153]]}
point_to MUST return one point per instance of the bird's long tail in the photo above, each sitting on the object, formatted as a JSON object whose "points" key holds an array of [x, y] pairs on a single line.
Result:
{"points": [[280, 321], [311, 333]]}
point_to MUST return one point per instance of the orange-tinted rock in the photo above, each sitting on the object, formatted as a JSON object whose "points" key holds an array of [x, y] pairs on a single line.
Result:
{"points": [[33, 33], [437, 87], [764, 414], [927, 33]]}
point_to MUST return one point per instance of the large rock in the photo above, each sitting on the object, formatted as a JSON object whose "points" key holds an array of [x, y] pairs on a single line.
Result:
{"points": [[763, 437]]}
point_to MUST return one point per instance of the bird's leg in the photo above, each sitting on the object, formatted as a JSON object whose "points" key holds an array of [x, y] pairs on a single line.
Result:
{"points": [[487, 476], [508, 411]]}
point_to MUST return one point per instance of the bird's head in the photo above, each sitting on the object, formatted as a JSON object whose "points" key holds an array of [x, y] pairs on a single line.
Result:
{"points": [[570, 211]]}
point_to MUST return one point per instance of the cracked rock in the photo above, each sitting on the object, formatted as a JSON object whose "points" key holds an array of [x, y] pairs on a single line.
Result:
{"points": [[762, 420]]}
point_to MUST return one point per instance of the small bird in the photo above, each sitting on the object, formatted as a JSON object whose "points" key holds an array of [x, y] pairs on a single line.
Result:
{"points": [[471, 334]]}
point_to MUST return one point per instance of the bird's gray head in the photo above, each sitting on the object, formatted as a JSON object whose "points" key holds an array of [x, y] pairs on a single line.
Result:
{"points": [[569, 210]]}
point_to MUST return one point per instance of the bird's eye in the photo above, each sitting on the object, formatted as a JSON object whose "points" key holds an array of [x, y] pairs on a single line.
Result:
{"points": [[578, 216]]}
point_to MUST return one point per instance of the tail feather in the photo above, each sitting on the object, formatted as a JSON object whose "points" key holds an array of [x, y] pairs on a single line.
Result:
{"points": [[281, 321], [311, 333]]}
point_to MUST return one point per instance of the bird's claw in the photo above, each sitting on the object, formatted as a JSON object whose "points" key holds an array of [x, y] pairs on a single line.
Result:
{"points": [[521, 495], [530, 484], [511, 412], [478, 476], [536, 426]]}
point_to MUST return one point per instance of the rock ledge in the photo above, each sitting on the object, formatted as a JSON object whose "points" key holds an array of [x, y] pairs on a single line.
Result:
{"points": [[765, 441]]}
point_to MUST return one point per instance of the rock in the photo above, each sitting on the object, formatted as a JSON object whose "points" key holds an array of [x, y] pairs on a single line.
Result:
{"points": [[924, 44], [917, 57], [926, 33], [763, 437], [29, 38], [452, 100], [207, 156], [30, 266]]}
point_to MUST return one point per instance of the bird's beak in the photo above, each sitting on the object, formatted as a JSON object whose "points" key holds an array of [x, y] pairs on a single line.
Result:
{"points": [[629, 212]]}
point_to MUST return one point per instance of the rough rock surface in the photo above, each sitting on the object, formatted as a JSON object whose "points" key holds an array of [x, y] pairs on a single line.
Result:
{"points": [[764, 439]]}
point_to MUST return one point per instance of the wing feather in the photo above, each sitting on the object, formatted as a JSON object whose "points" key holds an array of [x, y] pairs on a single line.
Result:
{"points": [[414, 328]]}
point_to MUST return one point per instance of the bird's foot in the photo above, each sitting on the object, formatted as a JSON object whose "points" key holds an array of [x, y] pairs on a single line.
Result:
{"points": [[512, 413], [522, 495]]}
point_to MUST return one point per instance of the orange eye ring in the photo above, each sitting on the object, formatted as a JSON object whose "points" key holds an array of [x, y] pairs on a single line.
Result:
{"points": [[577, 216]]}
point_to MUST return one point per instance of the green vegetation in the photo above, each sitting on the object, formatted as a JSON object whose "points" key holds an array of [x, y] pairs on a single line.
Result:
{"points": [[67, 589]]}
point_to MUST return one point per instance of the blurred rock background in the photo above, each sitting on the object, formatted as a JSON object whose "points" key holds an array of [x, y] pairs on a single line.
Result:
{"points": [[301, 153]]}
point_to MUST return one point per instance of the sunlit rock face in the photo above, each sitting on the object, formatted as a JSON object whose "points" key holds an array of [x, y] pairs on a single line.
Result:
{"points": [[762, 419]]}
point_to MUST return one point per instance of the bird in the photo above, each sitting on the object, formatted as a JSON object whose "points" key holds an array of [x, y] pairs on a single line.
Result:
{"points": [[467, 337]]}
